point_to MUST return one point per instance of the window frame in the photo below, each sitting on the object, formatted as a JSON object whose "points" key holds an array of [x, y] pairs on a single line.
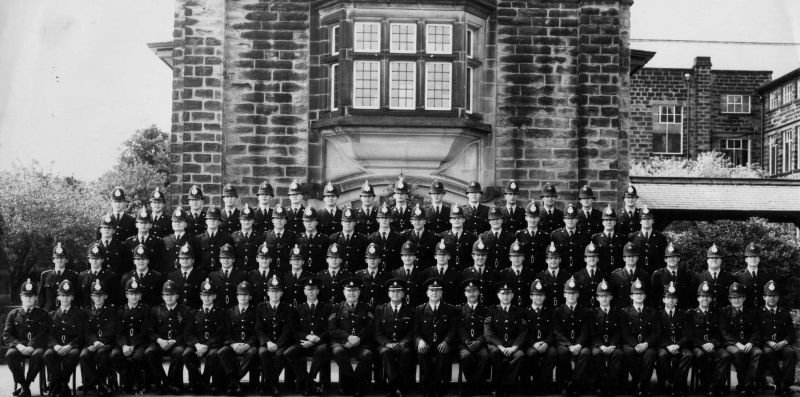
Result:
{"points": [[787, 93], [469, 43], [413, 49], [724, 148], [746, 106], [775, 99], [369, 50], [334, 40], [413, 85], [428, 86], [333, 74], [470, 89], [428, 49], [377, 104], [681, 132]]}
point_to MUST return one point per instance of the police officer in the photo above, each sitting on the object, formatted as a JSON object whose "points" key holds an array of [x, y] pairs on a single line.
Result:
{"points": [[505, 330], [513, 215], [366, 222], [125, 224], [209, 242], [540, 352], [330, 217], [133, 321], [149, 281], [258, 278], [778, 337], [518, 276], [311, 340], [498, 239], [570, 242], [435, 326], [262, 217], [738, 326], [144, 237], [331, 278], [52, 278], [703, 324], [571, 330], [473, 354], [553, 279], [589, 277], [67, 336], [96, 271], [590, 220], [622, 278], [162, 225], [187, 279], [313, 244], [101, 330], [411, 275], [176, 240], [196, 216], [485, 276], [718, 280], [552, 218], [204, 335], [117, 258], [437, 214], [447, 275], [629, 218], [394, 331], [274, 324], [387, 240], [229, 216], [534, 239], [226, 278], [167, 325], [241, 342], [609, 242], [640, 332], [246, 241], [651, 243], [373, 279], [752, 278], [351, 328], [352, 244], [294, 214], [607, 346], [673, 353], [401, 213], [476, 214], [26, 335], [459, 240], [280, 240], [292, 279], [680, 277], [423, 238]]}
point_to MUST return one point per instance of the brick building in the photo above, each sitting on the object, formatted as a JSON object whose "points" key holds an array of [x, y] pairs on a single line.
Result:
{"points": [[455, 90], [781, 99], [681, 112]]}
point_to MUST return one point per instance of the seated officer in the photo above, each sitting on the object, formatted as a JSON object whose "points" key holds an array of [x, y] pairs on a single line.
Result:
{"points": [[394, 331], [778, 336], [25, 334], [167, 324], [607, 347], [434, 334], [274, 325], [148, 280], [101, 329], [67, 334], [505, 330], [712, 359], [571, 328], [241, 343], [52, 278], [132, 326], [351, 326], [540, 355], [259, 277], [639, 338], [310, 336], [473, 354], [739, 328], [204, 335], [227, 278], [674, 347]]}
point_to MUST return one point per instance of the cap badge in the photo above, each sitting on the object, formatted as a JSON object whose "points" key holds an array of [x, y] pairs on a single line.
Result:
{"points": [[592, 247], [334, 249], [185, 248], [630, 189], [670, 248], [134, 284], [97, 286], [329, 187], [771, 287], [371, 249], [193, 190], [671, 288], [704, 287], [143, 213], [481, 245], [107, 219], [384, 210], [264, 249], [140, 251], [348, 213], [400, 184], [66, 286], [714, 248], [571, 283], [570, 210], [441, 245], [637, 283], [551, 248], [95, 250], [417, 212], [177, 212], [609, 210], [117, 193], [28, 286], [366, 187], [157, 194], [59, 250], [603, 285], [296, 250], [293, 186], [273, 281], [515, 247], [645, 210], [279, 210], [246, 210]]}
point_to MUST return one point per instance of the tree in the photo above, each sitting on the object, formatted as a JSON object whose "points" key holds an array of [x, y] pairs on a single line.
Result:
{"points": [[147, 146], [711, 164]]}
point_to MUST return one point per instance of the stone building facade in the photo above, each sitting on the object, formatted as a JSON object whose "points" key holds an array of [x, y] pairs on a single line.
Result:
{"points": [[682, 112], [781, 98], [347, 91]]}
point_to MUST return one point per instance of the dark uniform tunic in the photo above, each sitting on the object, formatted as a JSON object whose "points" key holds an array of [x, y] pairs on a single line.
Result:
{"points": [[391, 327], [207, 249], [605, 331], [48, 287], [162, 225], [262, 220], [450, 279], [476, 218], [167, 324], [674, 332], [513, 218], [473, 353], [540, 364], [241, 329], [117, 257], [684, 284], [570, 248], [534, 244], [640, 327], [777, 327], [741, 326], [704, 328], [572, 327], [620, 283], [719, 287], [172, 247], [753, 286], [498, 248], [246, 248], [425, 244], [226, 286], [149, 285], [591, 224], [402, 218], [487, 278], [294, 220], [439, 221], [196, 223], [259, 283], [587, 285], [310, 321], [629, 222], [67, 329], [313, 249], [610, 250], [126, 226], [505, 327], [101, 326], [293, 287], [351, 249], [273, 324], [156, 247], [207, 329], [329, 223], [389, 248], [553, 286], [87, 278], [133, 325], [280, 243], [549, 222], [330, 288], [344, 321], [229, 223], [188, 286], [366, 220], [521, 284], [460, 248], [651, 248], [29, 328], [434, 328], [415, 291]]}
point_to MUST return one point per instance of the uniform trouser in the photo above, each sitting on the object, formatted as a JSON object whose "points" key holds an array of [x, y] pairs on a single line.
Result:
{"points": [[16, 360], [154, 354], [396, 363], [130, 368], [713, 365], [228, 360], [432, 367], [508, 366], [640, 365], [60, 368], [746, 364], [473, 364], [347, 378], [781, 374], [675, 367], [539, 366], [606, 368], [295, 355], [568, 375], [271, 364], [213, 367], [96, 365]]}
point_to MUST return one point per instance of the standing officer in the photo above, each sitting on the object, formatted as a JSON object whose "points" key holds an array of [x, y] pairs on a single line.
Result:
{"points": [[651, 243], [553, 279], [351, 327], [540, 355], [373, 279], [411, 274], [589, 277], [229, 216], [437, 214], [718, 280], [293, 284], [167, 325], [739, 328], [127, 357], [571, 328], [331, 278], [294, 214], [241, 342], [351, 243], [196, 217], [485, 276], [505, 330], [116, 257], [552, 218], [517, 275], [67, 336], [365, 217], [280, 240], [227, 279], [459, 241], [258, 278], [125, 224], [401, 213], [498, 239], [423, 239], [394, 331], [311, 340], [681, 278], [313, 244], [274, 325], [609, 242], [204, 335], [513, 216], [162, 225], [149, 281], [434, 334], [674, 347], [607, 349], [101, 329], [330, 217], [534, 239], [640, 334], [449, 277], [209, 242], [96, 271], [387, 240], [622, 278], [570, 242], [473, 354], [262, 217], [752, 278], [703, 325], [52, 278], [187, 279], [778, 336], [144, 237], [26, 334], [629, 219], [476, 214], [590, 220], [246, 241], [176, 240]]}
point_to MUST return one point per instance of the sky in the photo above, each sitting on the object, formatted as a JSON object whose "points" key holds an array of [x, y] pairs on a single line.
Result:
{"points": [[77, 78]]}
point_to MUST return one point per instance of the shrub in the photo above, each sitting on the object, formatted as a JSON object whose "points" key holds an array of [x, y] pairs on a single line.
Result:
{"points": [[137, 179], [707, 165]]}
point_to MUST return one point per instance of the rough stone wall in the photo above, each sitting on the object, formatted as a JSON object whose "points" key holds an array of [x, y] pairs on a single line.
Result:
{"points": [[651, 87]]}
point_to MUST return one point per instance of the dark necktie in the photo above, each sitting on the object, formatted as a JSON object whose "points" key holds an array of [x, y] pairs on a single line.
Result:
{"points": [[639, 311], [185, 275], [753, 274], [553, 272], [674, 274], [279, 235], [517, 271], [313, 307], [226, 274], [383, 236], [408, 273], [141, 276], [395, 310], [714, 276], [670, 315], [347, 239], [630, 273], [58, 273], [206, 311], [263, 274], [372, 274], [591, 273]]}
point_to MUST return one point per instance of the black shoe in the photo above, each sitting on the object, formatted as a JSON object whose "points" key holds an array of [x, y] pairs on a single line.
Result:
{"points": [[24, 391]]}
